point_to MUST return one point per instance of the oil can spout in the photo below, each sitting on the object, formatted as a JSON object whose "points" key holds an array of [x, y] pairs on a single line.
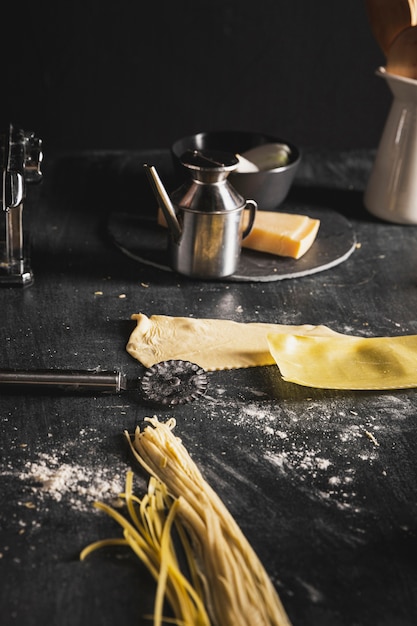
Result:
{"points": [[164, 201]]}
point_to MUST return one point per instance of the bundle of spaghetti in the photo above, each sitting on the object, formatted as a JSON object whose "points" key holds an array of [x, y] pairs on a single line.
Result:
{"points": [[148, 532], [237, 589]]}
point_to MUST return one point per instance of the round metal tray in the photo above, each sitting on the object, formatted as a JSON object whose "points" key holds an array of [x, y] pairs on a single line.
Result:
{"points": [[145, 241]]}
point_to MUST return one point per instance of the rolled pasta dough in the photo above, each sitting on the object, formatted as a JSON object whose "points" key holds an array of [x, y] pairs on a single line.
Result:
{"points": [[213, 344], [347, 362]]}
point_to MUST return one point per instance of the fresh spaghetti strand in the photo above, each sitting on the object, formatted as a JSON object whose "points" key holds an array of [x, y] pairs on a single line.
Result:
{"points": [[148, 533], [236, 586]]}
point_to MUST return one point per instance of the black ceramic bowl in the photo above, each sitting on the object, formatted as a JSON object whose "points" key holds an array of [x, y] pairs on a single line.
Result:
{"points": [[268, 188]]}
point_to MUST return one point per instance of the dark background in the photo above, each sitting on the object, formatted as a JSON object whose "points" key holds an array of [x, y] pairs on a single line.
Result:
{"points": [[139, 74]]}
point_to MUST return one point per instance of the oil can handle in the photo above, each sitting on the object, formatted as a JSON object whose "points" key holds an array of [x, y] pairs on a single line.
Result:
{"points": [[252, 207]]}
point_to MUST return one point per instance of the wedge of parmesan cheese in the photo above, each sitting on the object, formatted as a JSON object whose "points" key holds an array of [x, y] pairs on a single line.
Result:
{"points": [[283, 234]]}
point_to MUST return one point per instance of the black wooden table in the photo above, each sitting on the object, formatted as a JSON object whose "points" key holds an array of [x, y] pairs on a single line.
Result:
{"points": [[323, 483]]}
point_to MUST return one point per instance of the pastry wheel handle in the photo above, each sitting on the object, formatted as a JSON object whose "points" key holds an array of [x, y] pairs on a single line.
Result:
{"points": [[170, 382], [68, 379]]}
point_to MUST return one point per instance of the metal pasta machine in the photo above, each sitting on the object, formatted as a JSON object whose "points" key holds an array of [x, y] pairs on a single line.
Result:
{"points": [[20, 160]]}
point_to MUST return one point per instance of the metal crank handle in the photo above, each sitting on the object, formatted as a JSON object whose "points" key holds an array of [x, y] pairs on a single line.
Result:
{"points": [[64, 379]]}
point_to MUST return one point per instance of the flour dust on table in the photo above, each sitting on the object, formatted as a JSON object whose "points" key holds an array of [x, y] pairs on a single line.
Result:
{"points": [[58, 476], [325, 452]]}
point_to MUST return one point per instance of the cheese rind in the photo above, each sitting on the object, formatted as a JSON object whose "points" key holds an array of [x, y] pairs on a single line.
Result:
{"points": [[282, 234]]}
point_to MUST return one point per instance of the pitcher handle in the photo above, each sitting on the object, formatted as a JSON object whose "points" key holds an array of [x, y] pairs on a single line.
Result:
{"points": [[252, 207]]}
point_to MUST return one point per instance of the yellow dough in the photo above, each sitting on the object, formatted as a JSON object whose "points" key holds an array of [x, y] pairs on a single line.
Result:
{"points": [[346, 362], [213, 344], [314, 356]]}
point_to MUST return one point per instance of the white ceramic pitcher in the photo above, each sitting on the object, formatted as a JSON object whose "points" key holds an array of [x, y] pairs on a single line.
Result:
{"points": [[391, 193]]}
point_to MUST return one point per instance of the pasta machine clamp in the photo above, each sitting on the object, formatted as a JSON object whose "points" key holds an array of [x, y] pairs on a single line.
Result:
{"points": [[20, 160]]}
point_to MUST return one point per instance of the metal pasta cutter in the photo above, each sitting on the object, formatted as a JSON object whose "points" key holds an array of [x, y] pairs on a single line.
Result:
{"points": [[168, 383]]}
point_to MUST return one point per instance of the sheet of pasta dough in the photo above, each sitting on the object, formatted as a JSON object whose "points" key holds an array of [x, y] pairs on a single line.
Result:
{"points": [[213, 344], [346, 362]]}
